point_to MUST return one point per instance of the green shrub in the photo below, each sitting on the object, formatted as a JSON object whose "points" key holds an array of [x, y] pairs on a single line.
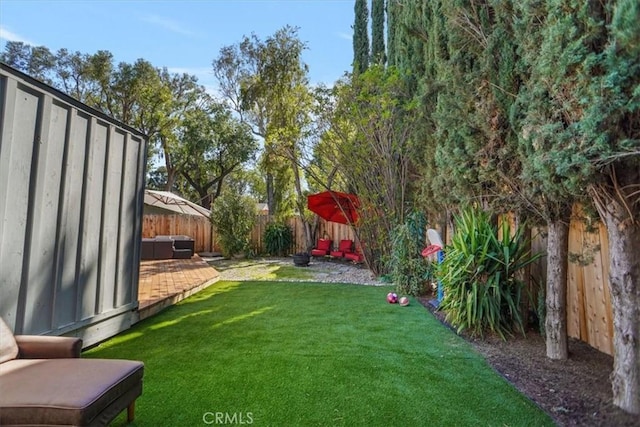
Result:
{"points": [[234, 216], [278, 239], [409, 271], [478, 274]]}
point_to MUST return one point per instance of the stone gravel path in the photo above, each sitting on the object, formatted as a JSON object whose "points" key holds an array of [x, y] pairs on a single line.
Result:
{"points": [[319, 270]]}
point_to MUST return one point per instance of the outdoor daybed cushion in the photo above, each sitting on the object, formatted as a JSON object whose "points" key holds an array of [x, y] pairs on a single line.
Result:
{"points": [[49, 384]]}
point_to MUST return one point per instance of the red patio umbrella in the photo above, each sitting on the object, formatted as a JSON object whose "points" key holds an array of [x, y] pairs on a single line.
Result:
{"points": [[335, 206]]}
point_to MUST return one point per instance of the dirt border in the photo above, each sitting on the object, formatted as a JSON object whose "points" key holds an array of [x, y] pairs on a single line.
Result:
{"points": [[574, 392]]}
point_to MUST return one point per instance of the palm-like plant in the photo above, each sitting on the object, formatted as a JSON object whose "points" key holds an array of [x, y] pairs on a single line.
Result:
{"points": [[482, 291]]}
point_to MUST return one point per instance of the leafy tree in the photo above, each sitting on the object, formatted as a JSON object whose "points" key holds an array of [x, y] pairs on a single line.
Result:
{"points": [[548, 200], [36, 61], [233, 216], [186, 96], [476, 152], [361, 37], [611, 138], [370, 145], [213, 145], [266, 83], [248, 180], [73, 72], [409, 270], [378, 55]]}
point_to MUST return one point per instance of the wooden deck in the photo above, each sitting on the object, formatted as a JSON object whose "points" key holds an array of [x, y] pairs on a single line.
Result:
{"points": [[165, 282]]}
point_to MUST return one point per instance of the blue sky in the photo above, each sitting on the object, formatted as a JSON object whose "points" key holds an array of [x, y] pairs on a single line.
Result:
{"points": [[184, 36]]}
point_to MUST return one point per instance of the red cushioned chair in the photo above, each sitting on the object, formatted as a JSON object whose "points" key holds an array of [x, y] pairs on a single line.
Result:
{"points": [[345, 247], [354, 256], [323, 248]]}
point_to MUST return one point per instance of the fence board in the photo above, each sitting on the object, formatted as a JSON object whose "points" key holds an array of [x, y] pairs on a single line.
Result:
{"points": [[599, 284], [577, 327]]}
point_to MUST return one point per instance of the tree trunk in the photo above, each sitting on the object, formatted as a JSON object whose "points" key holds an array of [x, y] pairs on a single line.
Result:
{"points": [[206, 200], [171, 170], [556, 317], [524, 274], [624, 281], [171, 179], [300, 201], [271, 203]]}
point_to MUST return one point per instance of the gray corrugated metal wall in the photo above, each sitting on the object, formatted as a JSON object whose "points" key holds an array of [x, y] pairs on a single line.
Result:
{"points": [[71, 197]]}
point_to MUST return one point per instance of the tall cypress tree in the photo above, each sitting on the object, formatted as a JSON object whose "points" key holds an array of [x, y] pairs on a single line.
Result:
{"points": [[579, 114], [361, 37], [392, 19], [377, 32]]}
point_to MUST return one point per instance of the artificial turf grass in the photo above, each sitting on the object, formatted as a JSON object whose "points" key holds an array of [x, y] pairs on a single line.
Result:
{"points": [[300, 354]]}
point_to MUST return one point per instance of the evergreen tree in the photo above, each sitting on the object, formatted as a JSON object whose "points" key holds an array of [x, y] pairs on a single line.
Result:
{"points": [[581, 116], [378, 55], [361, 37], [392, 28], [533, 104]]}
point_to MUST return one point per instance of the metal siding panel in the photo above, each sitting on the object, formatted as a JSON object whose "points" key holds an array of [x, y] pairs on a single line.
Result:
{"points": [[67, 292], [18, 135], [126, 260], [41, 279], [89, 290], [8, 302], [139, 200], [70, 213], [110, 229]]}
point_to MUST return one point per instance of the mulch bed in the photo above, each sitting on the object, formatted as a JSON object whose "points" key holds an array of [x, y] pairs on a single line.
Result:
{"points": [[574, 392]]}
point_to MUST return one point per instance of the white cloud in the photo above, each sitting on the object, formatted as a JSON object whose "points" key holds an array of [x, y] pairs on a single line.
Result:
{"points": [[9, 35], [169, 24], [346, 36]]}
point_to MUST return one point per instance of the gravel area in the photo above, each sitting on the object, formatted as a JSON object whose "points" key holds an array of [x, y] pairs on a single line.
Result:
{"points": [[318, 270]]}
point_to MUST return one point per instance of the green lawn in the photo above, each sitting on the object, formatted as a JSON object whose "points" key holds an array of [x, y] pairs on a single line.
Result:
{"points": [[293, 354]]}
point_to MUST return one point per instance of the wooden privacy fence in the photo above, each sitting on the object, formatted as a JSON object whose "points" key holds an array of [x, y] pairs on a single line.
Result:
{"points": [[205, 240], [262, 221], [199, 228], [330, 230], [589, 311]]}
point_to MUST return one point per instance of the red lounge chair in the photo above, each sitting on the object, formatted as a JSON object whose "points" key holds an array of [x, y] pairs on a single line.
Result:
{"points": [[323, 248], [354, 256], [344, 247]]}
